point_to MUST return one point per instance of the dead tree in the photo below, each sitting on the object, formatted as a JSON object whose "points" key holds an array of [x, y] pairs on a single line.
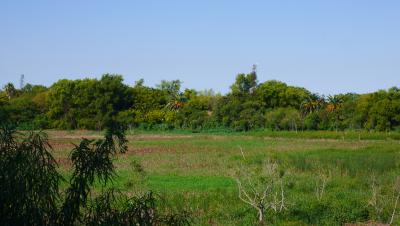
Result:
{"points": [[261, 187], [323, 177]]}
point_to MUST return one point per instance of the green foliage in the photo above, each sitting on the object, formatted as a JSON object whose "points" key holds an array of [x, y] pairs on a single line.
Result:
{"points": [[4, 114], [95, 103], [194, 114], [114, 208], [146, 98], [10, 90], [384, 110], [91, 161], [22, 110], [244, 84], [29, 181], [277, 94], [89, 103], [283, 119], [312, 121], [239, 114], [171, 87]]}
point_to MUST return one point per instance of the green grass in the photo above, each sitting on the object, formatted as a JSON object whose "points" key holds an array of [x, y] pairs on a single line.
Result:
{"points": [[165, 183], [325, 134], [195, 172]]}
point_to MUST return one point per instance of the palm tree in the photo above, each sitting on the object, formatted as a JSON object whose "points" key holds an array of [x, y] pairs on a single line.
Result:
{"points": [[311, 104], [334, 105], [175, 102]]}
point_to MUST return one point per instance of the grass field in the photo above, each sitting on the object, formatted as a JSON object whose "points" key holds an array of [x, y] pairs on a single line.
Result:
{"points": [[195, 172]]}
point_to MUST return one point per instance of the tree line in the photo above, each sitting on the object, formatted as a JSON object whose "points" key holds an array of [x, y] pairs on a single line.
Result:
{"points": [[250, 105]]}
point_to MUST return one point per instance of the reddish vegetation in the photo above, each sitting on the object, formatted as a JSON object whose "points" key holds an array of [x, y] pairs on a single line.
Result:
{"points": [[64, 162], [147, 150], [61, 145], [156, 137], [369, 223], [63, 142]]}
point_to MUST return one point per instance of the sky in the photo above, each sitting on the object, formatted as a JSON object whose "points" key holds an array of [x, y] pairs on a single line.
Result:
{"points": [[326, 46]]}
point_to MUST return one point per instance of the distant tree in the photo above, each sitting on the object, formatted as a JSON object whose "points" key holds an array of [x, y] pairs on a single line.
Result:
{"points": [[334, 106], [61, 106], [283, 119], [111, 97], [175, 99], [88, 103], [194, 114], [312, 103], [244, 83], [22, 111], [350, 118], [377, 111], [139, 83], [4, 116], [10, 90], [33, 89], [278, 94], [171, 87]]}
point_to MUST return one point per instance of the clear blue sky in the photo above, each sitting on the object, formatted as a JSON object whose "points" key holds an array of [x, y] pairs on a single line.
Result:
{"points": [[327, 46]]}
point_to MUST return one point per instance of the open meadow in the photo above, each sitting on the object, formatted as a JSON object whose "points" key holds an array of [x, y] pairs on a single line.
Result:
{"points": [[328, 178], [210, 113]]}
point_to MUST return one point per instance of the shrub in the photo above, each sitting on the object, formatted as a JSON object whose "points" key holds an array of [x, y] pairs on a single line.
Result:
{"points": [[29, 180]]}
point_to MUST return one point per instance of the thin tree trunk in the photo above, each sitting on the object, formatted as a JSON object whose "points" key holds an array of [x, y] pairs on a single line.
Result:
{"points": [[394, 209], [260, 216]]}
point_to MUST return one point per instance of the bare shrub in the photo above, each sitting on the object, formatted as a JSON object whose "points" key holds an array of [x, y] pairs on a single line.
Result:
{"points": [[261, 187], [382, 200], [322, 179]]}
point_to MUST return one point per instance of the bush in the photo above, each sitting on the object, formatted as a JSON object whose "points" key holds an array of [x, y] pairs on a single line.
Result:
{"points": [[29, 181], [283, 119], [312, 121]]}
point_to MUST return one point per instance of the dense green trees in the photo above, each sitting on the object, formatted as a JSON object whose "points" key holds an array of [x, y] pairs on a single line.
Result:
{"points": [[383, 110], [93, 103], [88, 103], [275, 94]]}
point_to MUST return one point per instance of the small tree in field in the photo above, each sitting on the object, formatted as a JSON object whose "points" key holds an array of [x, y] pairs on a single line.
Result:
{"points": [[261, 187], [322, 179]]}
